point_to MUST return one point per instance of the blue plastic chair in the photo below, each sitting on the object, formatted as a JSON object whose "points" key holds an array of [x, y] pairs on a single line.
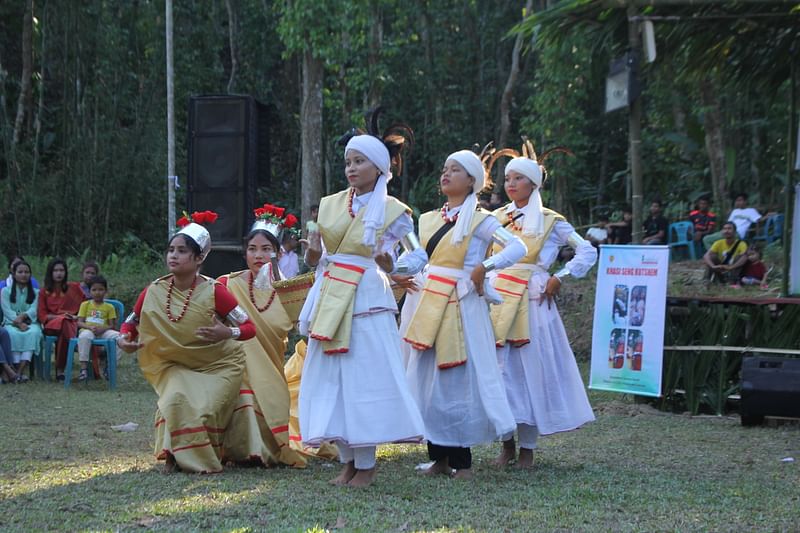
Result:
{"points": [[681, 234], [772, 230], [109, 344], [49, 347]]}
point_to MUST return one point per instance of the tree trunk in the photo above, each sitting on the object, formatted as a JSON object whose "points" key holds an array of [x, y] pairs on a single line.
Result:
{"points": [[25, 92], [506, 100], [601, 179], [231, 44], [375, 90], [311, 143], [714, 139]]}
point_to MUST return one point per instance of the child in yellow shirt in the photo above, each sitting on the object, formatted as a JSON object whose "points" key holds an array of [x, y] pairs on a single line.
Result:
{"points": [[97, 319]]}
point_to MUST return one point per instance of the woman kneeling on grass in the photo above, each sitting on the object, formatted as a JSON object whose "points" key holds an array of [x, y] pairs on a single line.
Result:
{"points": [[187, 354], [259, 428]]}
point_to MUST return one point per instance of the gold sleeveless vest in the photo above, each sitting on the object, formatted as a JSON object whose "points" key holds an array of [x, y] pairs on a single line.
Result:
{"points": [[333, 317], [437, 319], [510, 319]]}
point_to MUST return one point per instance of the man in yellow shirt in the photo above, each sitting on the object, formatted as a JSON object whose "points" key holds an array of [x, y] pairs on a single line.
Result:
{"points": [[726, 257]]}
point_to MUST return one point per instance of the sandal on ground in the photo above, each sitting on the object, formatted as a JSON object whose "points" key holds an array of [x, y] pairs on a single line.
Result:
{"points": [[22, 378], [60, 377], [83, 375]]}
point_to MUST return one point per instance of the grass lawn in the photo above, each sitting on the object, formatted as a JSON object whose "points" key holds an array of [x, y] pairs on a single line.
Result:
{"points": [[633, 469], [63, 467]]}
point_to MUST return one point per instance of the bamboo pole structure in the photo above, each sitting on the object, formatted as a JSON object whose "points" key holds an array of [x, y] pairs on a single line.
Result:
{"points": [[171, 179]]}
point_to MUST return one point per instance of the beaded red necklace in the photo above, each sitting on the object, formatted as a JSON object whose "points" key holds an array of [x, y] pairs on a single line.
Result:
{"points": [[253, 296], [350, 202], [445, 209], [185, 303], [511, 223]]}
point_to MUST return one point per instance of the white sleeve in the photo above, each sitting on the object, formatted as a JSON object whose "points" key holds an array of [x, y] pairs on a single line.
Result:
{"points": [[585, 253], [755, 216], [409, 262], [512, 252]]}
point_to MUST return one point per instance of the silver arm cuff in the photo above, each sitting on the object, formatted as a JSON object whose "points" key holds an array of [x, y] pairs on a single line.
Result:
{"points": [[561, 274], [133, 318], [237, 316], [410, 242], [235, 333], [574, 240], [489, 264], [502, 236]]}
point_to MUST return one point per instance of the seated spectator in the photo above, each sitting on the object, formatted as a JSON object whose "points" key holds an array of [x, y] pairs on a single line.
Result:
{"points": [[565, 254], [726, 257], [19, 301], [598, 234], [97, 320], [655, 226], [59, 302], [288, 262], [13, 260], [754, 271], [703, 220], [7, 374], [620, 232], [742, 216], [90, 270]]}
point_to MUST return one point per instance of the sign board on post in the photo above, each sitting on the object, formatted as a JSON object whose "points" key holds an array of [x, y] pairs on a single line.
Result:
{"points": [[628, 332]]}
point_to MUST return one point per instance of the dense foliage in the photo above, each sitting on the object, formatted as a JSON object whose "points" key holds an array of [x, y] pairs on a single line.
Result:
{"points": [[83, 102]]}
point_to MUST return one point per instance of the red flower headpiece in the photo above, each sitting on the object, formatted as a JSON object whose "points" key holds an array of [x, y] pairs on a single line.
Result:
{"points": [[275, 215], [198, 217]]}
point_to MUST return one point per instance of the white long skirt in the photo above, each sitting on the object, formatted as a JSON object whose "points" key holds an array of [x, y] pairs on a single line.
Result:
{"points": [[542, 379], [464, 405], [359, 398]]}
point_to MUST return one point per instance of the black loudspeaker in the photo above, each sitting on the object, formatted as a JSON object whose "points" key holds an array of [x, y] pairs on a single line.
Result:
{"points": [[770, 387], [228, 158]]}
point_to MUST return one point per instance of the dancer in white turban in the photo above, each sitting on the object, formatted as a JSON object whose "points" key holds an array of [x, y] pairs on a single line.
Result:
{"points": [[353, 390], [542, 381], [451, 368]]}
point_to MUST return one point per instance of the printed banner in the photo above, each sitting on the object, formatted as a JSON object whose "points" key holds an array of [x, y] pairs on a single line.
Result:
{"points": [[629, 307]]}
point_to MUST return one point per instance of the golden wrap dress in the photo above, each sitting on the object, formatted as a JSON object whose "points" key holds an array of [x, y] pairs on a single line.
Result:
{"points": [[259, 428], [197, 381], [293, 370]]}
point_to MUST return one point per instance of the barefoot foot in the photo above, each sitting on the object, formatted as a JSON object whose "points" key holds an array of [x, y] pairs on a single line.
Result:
{"points": [[507, 454], [525, 460], [363, 478], [171, 465], [464, 473], [439, 467], [345, 475]]}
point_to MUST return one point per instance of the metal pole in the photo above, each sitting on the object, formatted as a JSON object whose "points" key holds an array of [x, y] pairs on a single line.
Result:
{"points": [[789, 196], [635, 136], [170, 125]]}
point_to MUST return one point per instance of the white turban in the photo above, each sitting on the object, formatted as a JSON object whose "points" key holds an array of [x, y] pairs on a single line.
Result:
{"points": [[472, 164], [533, 225], [375, 214]]}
